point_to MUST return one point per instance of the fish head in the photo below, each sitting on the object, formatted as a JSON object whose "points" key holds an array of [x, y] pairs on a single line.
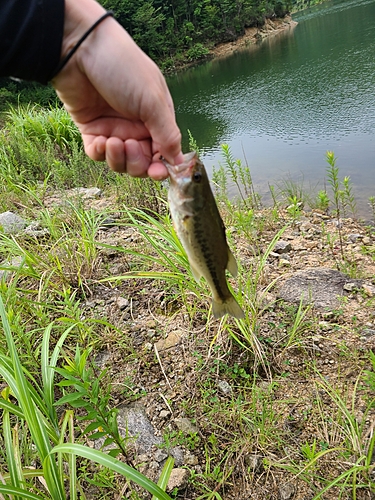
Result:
{"points": [[188, 177]]}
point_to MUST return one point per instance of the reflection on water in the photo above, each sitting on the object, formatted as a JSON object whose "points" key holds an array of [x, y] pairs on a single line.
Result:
{"points": [[287, 101]]}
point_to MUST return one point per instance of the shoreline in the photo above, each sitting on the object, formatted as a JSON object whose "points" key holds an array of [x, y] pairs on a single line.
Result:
{"points": [[253, 36]]}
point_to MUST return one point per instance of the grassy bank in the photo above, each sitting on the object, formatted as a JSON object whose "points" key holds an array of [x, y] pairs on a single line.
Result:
{"points": [[100, 311]]}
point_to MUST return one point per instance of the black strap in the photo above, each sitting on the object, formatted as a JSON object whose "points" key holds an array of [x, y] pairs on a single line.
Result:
{"points": [[69, 55]]}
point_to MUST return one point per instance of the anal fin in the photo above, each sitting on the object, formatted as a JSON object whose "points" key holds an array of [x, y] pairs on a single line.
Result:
{"points": [[232, 264]]}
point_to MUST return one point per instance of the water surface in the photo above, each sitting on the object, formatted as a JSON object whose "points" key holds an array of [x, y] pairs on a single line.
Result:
{"points": [[283, 103]]}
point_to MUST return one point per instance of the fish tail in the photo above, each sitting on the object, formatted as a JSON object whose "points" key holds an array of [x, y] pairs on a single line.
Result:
{"points": [[229, 306]]}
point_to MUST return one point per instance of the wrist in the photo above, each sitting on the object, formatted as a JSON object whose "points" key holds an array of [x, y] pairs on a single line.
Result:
{"points": [[79, 17]]}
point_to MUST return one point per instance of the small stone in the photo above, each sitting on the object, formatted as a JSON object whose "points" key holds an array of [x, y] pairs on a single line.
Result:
{"points": [[324, 325], [282, 246], [160, 455], [122, 303], [353, 238], [36, 231], [177, 479], [350, 287], [151, 334], [173, 339], [184, 425], [368, 332], [284, 263], [178, 454], [224, 387], [286, 491], [148, 346], [151, 323], [366, 240], [369, 290], [254, 462], [88, 193], [190, 459], [164, 414]]}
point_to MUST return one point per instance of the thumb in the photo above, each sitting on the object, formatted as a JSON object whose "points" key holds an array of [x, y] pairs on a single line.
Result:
{"points": [[164, 131]]}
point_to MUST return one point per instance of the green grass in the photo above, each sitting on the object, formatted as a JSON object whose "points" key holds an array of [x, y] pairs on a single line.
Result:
{"points": [[306, 420]]}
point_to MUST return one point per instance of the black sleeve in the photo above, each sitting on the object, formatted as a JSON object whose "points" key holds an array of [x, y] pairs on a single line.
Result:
{"points": [[31, 34]]}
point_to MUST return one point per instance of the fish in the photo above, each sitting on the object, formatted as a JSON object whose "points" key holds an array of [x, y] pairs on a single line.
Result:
{"points": [[201, 230]]}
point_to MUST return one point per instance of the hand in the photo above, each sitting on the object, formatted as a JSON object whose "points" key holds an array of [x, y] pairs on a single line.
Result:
{"points": [[117, 96]]}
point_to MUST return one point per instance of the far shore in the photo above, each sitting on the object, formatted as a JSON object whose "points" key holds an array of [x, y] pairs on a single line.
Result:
{"points": [[253, 35]]}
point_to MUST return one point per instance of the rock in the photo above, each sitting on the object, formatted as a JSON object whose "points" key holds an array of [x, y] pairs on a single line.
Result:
{"points": [[286, 491], [284, 263], [36, 231], [254, 462], [102, 358], [282, 246], [350, 287], [185, 425], [368, 332], [121, 303], [133, 421], [164, 414], [173, 339], [178, 454], [178, 479], [353, 238], [224, 387], [321, 287], [190, 459], [11, 223], [305, 226], [368, 289], [88, 193], [160, 455]]}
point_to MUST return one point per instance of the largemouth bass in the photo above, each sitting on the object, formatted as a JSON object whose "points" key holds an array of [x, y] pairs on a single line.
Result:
{"points": [[199, 226]]}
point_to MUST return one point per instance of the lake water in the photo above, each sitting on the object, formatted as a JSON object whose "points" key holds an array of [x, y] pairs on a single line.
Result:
{"points": [[283, 103]]}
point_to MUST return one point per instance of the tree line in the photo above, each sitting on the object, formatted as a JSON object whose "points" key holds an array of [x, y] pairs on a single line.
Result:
{"points": [[176, 30]]}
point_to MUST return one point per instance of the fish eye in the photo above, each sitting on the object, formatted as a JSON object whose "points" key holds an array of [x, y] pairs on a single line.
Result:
{"points": [[197, 177]]}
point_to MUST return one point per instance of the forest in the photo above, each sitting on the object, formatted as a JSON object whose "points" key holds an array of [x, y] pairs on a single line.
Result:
{"points": [[184, 29]]}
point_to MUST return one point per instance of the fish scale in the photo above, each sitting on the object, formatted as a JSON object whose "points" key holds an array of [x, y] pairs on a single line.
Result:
{"points": [[199, 226]]}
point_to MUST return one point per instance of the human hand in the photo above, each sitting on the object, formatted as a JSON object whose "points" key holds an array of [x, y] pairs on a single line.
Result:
{"points": [[117, 96]]}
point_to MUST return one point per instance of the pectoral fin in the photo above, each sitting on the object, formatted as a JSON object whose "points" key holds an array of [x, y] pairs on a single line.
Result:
{"points": [[232, 264]]}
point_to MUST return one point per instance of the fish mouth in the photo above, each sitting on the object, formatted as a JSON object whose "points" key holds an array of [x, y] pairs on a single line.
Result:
{"points": [[176, 171]]}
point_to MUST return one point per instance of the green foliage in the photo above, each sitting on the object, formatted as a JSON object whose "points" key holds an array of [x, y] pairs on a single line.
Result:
{"points": [[322, 201], [34, 405], [15, 93], [343, 197], [198, 51], [240, 175], [38, 143], [164, 30]]}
